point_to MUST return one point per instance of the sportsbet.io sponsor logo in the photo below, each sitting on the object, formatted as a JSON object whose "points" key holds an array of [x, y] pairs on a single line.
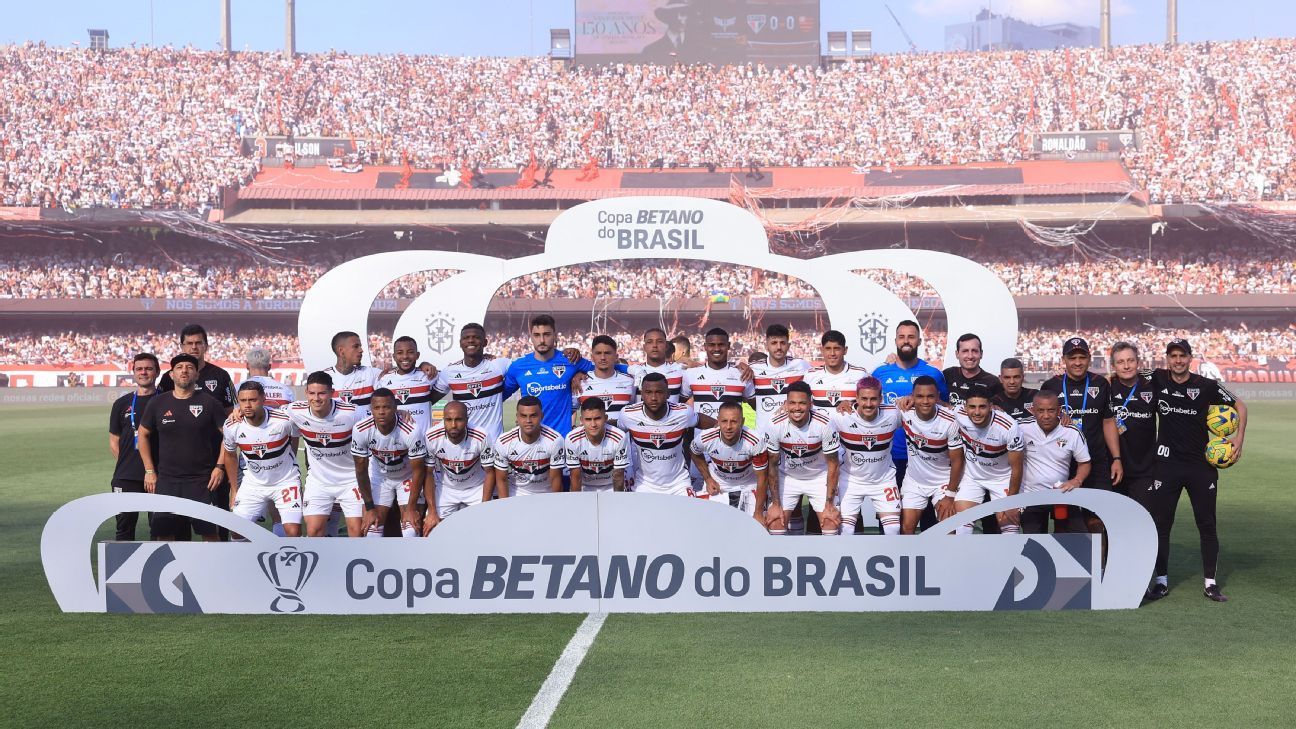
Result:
{"points": [[666, 230]]}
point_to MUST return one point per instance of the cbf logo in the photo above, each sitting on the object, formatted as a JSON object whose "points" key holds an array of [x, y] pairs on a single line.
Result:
{"points": [[440, 332], [872, 333], [288, 570]]}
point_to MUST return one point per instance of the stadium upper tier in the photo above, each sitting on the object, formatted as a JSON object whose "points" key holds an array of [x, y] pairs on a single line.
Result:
{"points": [[163, 128], [198, 271]]}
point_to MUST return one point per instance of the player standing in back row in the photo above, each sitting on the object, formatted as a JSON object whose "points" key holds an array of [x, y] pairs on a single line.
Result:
{"points": [[477, 381], [1183, 399], [410, 385], [772, 376], [716, 380], [353, 383]]}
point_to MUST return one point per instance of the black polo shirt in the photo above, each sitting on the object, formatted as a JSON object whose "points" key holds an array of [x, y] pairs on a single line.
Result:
{"points": [[186, 434], [123, 421]]}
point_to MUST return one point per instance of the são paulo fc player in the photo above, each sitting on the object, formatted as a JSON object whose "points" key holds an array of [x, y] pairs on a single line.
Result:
{"points": [[528, 459], [772, 376], [477, 381], [410, 385], [832, 385], [325, 425], [716, 380], [934, 455], [460, 474], [660, 433], [992, 454], [353, 383], [656, 349], [734, 466], [615, 389], [802, 444], [596, 453], [277, 394], [867, 471], [263, 436], [392, 440]]}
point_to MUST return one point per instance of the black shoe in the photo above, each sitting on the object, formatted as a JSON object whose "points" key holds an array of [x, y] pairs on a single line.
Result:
{"points": [[1156, 592], [1213, 593]]}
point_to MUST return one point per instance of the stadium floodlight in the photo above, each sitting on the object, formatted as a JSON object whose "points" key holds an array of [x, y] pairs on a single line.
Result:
{"points": [[836, 42], [98, 39], [861, 42], [560, 45]]}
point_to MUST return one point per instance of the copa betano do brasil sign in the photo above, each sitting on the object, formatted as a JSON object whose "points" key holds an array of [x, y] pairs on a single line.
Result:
{"points": [[597, 552]]}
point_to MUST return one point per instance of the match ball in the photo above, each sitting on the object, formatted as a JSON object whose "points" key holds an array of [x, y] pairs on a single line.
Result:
{"points": [[1222, 420], [1219, 452]]}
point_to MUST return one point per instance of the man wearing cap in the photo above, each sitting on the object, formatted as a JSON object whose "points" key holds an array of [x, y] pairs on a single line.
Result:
{"points": [[179, 443], [1084, 396], [1183, 400]]}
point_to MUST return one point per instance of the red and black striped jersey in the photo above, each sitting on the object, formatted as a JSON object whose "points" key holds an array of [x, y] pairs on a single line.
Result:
{"points": [[527, 465], [984, 448], [597, 461], [616, 392], [355, 387], [267, 458], [707, 388], [929, 443], [392, 451], [327, 440], [481, 389], [660, 457], [732, 465], [802, 449], [866, 446], [458, 466]]}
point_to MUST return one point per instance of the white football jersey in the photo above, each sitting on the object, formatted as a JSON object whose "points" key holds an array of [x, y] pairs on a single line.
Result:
{"points": [[392, 452], [929, 443], [1049, 455], [733, 466], [328, 442], [802, 449], [277, 394], [597, 461], [770, 386], [828, 389], [413, 391], [355, 387], [673, 371], [866, 446], [985, 450], [527, 465], [458, 466], [710, 387], [659, 445], [480, 389], [267, 458], [617, 392]]}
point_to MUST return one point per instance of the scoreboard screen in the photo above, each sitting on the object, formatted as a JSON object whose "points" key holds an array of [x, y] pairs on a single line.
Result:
{"points": [[773, 32]]}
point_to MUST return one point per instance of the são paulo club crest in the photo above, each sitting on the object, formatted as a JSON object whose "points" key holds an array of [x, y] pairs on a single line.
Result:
{"points": [[873, 333], [657, 439], [1193, 392], [259, 449], [1146, 396], [402, 394], [475, 388], [196, 410], [778, 383], [718, 391], [440, 332], [558, 370]]}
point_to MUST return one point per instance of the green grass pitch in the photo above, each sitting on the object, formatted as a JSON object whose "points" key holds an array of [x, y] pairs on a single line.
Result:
{"points": [[1182, 661]]}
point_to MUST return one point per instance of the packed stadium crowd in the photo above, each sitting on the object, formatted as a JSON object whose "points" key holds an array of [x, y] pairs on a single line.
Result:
{"points": [[1037, 347], [162, 127], [204, 273]]}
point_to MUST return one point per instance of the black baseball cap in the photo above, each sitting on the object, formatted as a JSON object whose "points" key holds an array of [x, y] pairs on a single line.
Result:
{"points": [[1075, 344], [1181, 344], [184, 358]]}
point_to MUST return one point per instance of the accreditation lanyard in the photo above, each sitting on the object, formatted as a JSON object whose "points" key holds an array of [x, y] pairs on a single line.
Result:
{"points": [[1084, 403], [1120, 421], [134, 430]]}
